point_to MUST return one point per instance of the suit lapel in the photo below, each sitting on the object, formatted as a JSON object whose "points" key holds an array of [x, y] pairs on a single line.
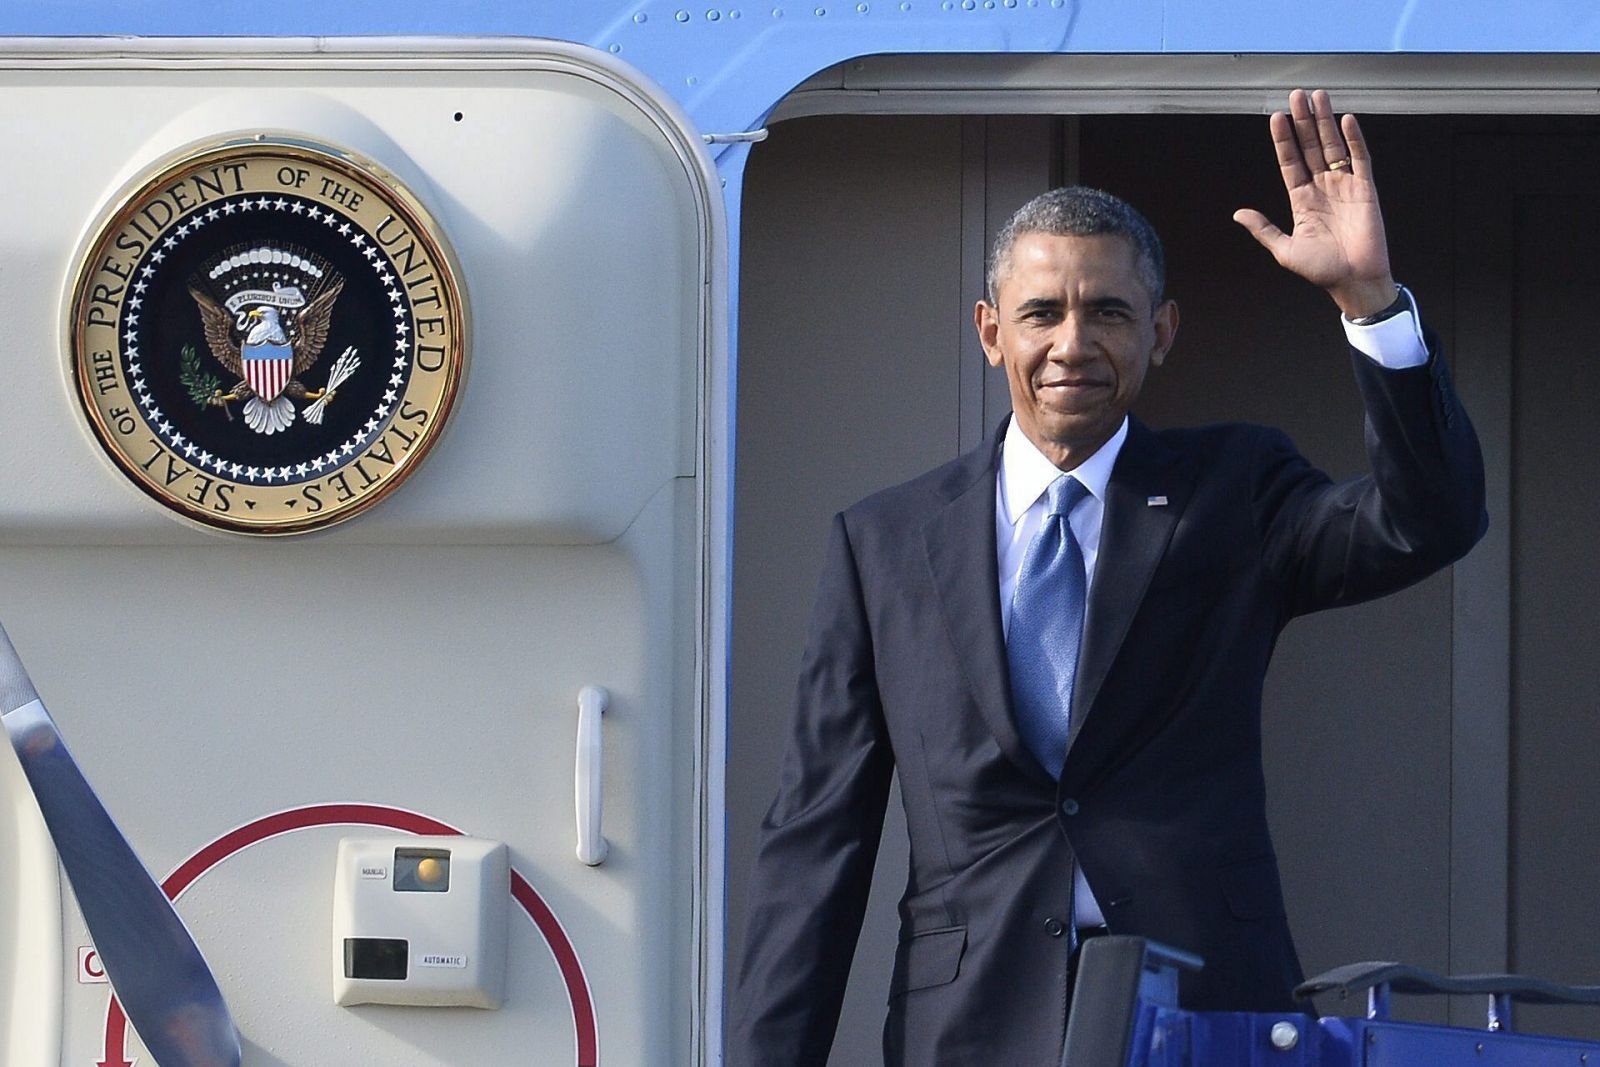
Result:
{"points": [[962, 558], [1133, 537], [1145, 498]]}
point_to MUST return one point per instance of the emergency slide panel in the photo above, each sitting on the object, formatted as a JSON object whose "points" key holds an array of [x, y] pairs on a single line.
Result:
{"points": [[352, 416]]}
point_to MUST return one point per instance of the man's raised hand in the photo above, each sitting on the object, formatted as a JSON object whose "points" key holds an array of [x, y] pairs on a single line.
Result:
{"points": [[1337, 239]]}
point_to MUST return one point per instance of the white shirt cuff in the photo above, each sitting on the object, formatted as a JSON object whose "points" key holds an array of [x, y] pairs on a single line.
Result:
{"points": [[1395, 343]]}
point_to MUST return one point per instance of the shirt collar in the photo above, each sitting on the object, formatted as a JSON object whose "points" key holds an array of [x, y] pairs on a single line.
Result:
{"points": [[1025, 473]]}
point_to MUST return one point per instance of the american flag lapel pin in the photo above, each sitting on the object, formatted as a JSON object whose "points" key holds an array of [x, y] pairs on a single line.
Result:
{"points": [[1155, 502]]}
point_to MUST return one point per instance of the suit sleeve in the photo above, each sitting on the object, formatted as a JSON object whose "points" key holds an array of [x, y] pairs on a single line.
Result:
{"points": [[1420, 509], [819, 840]]}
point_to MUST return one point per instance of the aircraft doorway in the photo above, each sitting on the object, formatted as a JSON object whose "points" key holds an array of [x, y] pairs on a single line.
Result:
{"points": [[1416, 795]]}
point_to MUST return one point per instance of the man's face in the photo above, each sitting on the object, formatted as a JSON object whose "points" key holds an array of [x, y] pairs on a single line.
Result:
{"points": [[1076, 331]]}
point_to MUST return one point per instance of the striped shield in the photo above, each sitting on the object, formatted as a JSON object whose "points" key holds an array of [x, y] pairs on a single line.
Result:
{"points": [[267, 368]]}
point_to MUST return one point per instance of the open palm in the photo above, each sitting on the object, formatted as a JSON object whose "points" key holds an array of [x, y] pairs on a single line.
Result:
{"points": [[1337, 240]]}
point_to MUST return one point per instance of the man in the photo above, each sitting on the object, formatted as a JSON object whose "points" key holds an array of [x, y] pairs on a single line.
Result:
{"points": [[1060, 644]]}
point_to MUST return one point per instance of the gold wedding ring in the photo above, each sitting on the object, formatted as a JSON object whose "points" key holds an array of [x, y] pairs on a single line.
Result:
{"points": [[1339, 164]]}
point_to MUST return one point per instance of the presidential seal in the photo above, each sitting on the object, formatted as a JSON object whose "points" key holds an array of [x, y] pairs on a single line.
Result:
{"points": [[267, 335]]}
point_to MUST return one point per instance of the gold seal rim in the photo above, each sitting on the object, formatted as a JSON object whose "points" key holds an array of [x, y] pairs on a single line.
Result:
{"points": [[122, 205]]}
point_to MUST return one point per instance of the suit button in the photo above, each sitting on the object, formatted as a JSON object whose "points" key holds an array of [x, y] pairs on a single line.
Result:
{"points": [[1053, 927], [1069, 807]]}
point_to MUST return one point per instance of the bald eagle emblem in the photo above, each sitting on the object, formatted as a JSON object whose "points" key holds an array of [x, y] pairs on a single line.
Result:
{"points": [[269, 330]]}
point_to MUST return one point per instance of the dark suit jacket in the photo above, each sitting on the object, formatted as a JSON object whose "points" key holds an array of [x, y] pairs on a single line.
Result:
{"points": [[1162, 798]]}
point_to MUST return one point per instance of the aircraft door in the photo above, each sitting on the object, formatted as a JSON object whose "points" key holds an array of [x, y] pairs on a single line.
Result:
{"points": [[521, 232]]}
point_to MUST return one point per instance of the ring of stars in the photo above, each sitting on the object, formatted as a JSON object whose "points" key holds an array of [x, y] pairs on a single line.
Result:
{"points": [[221, 465]]}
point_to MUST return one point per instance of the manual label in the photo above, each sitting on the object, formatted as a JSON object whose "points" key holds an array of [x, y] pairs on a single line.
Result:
{"points": [[372, 871]]}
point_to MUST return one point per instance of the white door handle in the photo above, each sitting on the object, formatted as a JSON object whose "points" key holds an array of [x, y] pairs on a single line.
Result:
{"points": [[592, 847]]}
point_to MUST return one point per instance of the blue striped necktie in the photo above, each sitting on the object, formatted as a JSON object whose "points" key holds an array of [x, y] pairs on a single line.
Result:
{"points": [[1046, 627]]}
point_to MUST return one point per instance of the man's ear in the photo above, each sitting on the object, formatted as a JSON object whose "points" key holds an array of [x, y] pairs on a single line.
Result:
{"points": [[986, 317], [1166, 320]]}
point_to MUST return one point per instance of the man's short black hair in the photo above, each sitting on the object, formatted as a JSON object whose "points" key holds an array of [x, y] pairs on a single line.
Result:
{"points": [[1079, 211]]}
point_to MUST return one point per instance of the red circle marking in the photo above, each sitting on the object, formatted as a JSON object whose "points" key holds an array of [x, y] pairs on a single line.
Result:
{"points": [[284, 822]]}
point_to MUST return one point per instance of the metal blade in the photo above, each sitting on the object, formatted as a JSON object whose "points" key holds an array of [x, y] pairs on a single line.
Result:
{"points": [[163, 982]]}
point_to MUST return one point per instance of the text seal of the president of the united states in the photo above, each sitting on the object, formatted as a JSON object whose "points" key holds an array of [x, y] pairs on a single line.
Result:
{"points": [[267, 335]]}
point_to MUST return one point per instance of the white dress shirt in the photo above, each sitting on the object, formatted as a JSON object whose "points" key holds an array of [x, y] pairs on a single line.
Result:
{"points": [[1025, 475]]}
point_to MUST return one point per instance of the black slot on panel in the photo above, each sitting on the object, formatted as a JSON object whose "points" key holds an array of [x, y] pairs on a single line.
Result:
{"points": [[376, 957]]}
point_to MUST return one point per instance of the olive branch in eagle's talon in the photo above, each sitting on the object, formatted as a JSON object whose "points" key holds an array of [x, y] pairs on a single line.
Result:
{"points": [[204, 389]]}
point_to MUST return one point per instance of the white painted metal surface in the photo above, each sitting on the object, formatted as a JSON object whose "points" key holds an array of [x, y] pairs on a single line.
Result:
{"points": [[426, 653]]}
